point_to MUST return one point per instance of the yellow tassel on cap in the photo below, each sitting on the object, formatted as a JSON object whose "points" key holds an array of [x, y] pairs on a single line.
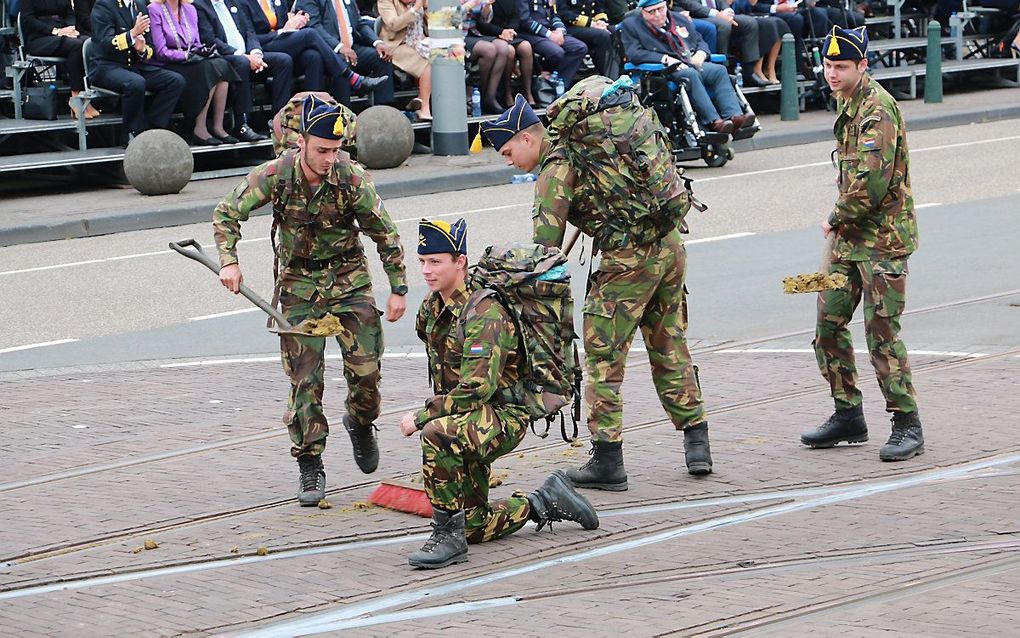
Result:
{"points": [[338, 126], [833, 47], [476, 144]]}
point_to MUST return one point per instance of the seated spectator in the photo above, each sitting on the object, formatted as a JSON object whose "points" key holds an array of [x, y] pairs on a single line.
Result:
{"points": [[404, 36], [658, 36], [803, 22], [587, 21], [731, 26], [123, 45], [491, 38], [770, 39], [353, 41], [547, 34], [50, 29], [280, 31], [227, 25], [839, 15], [178, 47]]}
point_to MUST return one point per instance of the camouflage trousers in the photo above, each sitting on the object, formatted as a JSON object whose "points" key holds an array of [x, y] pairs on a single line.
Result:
{"points": [[457, 454], [883, 286], [639, 287], [361, 345]]}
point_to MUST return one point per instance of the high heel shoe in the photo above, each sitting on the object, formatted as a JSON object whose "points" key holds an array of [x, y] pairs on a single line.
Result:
{"points": [[1014, 50]]}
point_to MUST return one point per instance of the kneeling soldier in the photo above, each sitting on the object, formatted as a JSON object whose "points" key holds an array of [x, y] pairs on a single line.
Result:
{"points": [[474, 418]]}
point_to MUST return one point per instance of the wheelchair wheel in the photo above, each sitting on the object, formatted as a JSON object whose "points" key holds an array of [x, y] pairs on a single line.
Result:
{"points": [[716, 155]]}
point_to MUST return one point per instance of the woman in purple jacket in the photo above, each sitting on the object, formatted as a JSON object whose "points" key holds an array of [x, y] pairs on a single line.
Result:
{"points": [[177, 47]]}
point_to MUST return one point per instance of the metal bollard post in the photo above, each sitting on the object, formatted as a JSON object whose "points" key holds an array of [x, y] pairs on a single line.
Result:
{"points": [[933, 65], [789, 104], [449, 97]]}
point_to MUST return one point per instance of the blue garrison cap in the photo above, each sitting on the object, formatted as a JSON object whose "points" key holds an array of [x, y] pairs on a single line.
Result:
{"points": [[846, 44], [515, 119], [438, 236], [324, 120], [648, 3]]}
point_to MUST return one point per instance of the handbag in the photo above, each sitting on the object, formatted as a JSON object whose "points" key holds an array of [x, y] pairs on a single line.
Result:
{"points": [[544, 90], [40, 102]]}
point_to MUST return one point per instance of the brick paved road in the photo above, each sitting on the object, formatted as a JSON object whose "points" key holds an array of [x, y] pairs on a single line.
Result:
{"points": [[780, 539]]}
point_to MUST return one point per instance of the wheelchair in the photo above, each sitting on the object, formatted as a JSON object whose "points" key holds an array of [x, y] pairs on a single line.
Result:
{"points": [[690, 141]]}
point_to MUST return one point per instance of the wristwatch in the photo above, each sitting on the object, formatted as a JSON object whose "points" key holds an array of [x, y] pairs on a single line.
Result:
{"points": [[399, 290]]}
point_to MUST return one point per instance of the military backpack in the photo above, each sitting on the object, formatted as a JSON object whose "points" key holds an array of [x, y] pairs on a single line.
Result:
{"points": [[532, 284], [624, 156]]}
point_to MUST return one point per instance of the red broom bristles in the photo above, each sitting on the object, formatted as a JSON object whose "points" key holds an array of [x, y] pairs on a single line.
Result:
{"points": [[402, 497]]}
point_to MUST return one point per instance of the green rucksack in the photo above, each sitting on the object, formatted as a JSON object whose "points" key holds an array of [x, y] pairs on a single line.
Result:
{"points": [[624, 156], [532, 283]]}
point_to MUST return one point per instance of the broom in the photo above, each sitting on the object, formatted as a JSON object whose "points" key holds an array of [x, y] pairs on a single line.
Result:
{"points": [[817, 281], [402, 496]]}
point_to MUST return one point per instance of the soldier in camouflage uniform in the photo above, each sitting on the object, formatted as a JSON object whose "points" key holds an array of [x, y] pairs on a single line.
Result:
{"points": [[474, 417], [876, 232], [638, 284], [322, 201]]}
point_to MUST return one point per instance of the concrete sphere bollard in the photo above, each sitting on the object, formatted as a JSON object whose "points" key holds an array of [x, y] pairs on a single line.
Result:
{"points": [[158, 162], [384, 137]]}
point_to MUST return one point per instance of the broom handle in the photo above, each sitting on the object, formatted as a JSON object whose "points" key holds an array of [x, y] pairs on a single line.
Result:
{"points": [[571, 242], [830, 245]]}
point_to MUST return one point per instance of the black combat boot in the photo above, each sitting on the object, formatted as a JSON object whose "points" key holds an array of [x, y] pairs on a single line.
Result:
{"points": [[604, 471], [446, 546], [313, 480], [556, 501], [906, 439], [366, 450], [844, 425], [697, 451]]}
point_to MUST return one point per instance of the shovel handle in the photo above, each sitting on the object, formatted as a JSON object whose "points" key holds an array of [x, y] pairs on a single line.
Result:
{"points": [[198, 255]]}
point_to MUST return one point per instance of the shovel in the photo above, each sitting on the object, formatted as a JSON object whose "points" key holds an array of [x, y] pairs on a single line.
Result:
{"points": [[196, 253]]}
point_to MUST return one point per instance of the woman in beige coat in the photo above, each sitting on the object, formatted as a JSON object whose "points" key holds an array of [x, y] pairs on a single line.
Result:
{"points": [[403, 32]]}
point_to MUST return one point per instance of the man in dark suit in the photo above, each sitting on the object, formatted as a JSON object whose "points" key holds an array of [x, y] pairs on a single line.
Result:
{"points": [[227, 25], [657, 36], [281, 31], [120, 54], [352, 40]]}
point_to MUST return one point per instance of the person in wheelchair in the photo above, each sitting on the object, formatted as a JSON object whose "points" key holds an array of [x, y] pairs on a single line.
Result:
{"points": [[656, 35]]}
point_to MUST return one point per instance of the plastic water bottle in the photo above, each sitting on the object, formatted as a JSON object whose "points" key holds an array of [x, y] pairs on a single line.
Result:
{"points": [[476, 102], [560, 89], [954, 25], [523, 178], [740, 75]]}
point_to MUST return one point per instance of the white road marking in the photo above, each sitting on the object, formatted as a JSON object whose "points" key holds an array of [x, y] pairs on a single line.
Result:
{"points": [[223, 314], [926, 353], [37, 345], [507, 206], [928, 205], [717, 238]]}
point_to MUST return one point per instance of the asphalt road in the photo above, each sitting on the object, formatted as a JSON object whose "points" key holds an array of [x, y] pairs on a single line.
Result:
{"points": [[126, 297]]}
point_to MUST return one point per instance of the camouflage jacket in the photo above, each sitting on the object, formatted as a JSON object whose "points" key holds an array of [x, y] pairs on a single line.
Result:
{"points": [[322, 227], [874, 214], [482, 367]]}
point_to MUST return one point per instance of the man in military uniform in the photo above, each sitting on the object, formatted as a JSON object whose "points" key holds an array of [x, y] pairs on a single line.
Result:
{"points": [[122, 63], [587, 21], [548, 36], [322, 200], [475, 416], [875, 232], [637, 285]]}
